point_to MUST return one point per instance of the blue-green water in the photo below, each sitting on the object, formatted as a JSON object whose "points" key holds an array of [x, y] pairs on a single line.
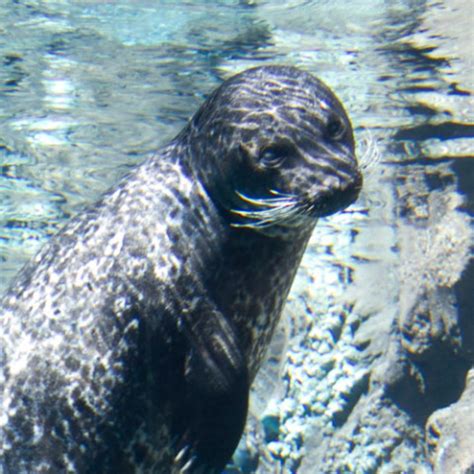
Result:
{"points": [[89, 88]]}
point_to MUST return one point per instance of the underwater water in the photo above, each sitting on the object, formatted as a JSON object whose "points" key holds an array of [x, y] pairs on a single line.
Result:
{"points": [[90, 88]]}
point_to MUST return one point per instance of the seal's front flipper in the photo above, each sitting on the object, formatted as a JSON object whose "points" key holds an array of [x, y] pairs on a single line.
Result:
{"points": [[215, 392]]}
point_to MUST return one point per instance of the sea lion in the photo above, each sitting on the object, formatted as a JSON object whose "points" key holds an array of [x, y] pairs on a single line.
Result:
{"points": [[128, 344]]}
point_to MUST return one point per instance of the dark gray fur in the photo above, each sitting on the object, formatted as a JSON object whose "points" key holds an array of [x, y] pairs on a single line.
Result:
{"points": [[129, 342]]}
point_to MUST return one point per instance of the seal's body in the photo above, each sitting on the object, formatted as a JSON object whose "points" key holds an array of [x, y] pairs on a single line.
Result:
{"points": [[129, 342]]}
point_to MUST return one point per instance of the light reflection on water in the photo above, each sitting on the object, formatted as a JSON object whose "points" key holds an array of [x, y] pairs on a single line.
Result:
{"points": [[88, 89]]}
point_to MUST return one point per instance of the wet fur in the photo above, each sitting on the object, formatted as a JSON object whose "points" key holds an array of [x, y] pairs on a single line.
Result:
{"points": [[129, 343]]}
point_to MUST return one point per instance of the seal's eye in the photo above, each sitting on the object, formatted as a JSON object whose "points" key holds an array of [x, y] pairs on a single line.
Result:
{"points": [[274, 156], [335, 128]]}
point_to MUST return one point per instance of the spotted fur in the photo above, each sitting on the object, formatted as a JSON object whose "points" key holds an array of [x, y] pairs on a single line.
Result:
{"points": [[129, 342]]}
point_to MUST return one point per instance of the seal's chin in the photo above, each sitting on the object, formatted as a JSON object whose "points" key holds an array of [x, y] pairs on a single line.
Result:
{"points": [[328, 203]]}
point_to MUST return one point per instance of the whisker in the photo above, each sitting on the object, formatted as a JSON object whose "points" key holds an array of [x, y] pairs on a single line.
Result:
{"points": [[181, 454], [283, 209], [370, 150], [279, 193], [267, 202]]}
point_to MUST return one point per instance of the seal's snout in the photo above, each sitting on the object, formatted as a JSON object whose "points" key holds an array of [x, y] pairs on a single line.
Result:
{"points": [[349, 192], [336, 193]]}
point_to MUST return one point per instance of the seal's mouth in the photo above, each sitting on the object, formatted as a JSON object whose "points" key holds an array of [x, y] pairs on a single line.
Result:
{"points": [[332, 200]]}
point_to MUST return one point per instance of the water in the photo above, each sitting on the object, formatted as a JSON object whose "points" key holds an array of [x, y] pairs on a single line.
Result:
{"points": [[89, 88]]}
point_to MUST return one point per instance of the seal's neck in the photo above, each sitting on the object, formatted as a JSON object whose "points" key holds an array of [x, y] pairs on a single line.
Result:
{"points": [[246, 273], [250, 284]]}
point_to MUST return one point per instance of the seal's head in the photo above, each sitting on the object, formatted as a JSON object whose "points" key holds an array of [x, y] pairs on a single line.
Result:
{"points": [[274, 147]]}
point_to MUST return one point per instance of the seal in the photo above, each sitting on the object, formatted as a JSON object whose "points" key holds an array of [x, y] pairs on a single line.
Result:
{"points": [[128, 344]]}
